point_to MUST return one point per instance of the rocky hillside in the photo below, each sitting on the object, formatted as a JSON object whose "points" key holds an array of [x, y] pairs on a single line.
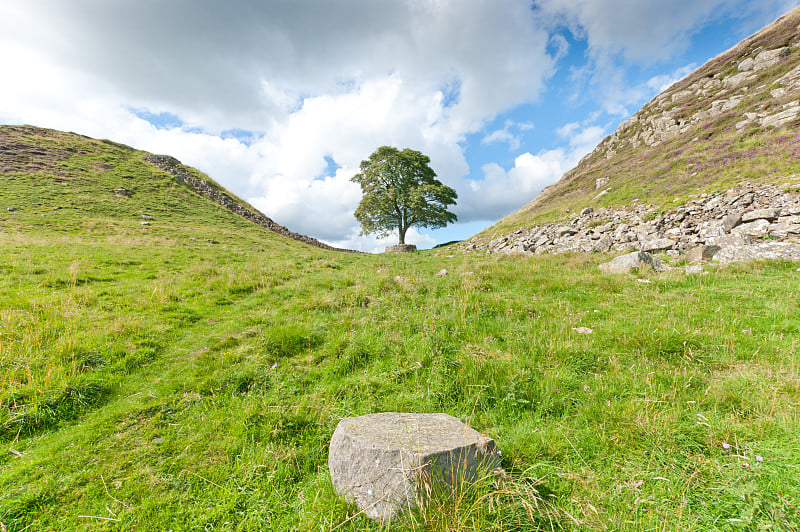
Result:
{"points": [[730, 129], [56, 158]]}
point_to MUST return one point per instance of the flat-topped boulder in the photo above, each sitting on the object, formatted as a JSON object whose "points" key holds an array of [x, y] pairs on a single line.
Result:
{"points": [[386, 463], [401, 248]]}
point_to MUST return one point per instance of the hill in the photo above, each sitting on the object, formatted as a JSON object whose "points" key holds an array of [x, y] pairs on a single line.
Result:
{"points": [[188, 374], [119, 183], [731, 123]]}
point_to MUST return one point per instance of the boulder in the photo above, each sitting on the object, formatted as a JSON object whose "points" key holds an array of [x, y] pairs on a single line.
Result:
{"points": [[731, 221], [657, 244], [386, 463], [637, 259], [761, 214], [401, 248], [757, 229], [762, 250], [701, 253]]}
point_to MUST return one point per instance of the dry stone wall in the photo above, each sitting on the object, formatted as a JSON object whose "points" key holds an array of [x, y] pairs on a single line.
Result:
{"points": [[727, 226]]}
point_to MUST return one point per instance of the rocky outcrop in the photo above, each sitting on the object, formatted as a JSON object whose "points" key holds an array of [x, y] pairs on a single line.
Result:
{"points": [[681, 110], [728, 226], [173, 166]]}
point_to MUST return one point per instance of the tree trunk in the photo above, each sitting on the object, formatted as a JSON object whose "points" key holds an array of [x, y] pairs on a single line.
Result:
{"points": [[402, 231]]}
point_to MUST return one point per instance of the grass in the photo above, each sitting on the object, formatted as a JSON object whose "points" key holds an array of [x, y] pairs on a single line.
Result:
{"points": [[188, 375]]}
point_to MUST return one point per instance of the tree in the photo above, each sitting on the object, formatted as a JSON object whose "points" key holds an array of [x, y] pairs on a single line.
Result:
{"points": [[399, 191]]}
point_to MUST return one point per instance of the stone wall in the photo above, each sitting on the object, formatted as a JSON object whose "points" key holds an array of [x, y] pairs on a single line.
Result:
{"points": [[737, 218]]}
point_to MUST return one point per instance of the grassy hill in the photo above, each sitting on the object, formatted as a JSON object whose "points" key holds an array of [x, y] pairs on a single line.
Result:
{"points": [[734, 119], [188, 374]]}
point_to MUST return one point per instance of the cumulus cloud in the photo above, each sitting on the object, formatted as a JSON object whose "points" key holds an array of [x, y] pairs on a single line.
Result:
{"points": [[503, 191]]}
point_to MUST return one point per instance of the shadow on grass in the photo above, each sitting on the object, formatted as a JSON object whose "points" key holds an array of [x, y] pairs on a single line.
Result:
{"points": [[23, 420]]}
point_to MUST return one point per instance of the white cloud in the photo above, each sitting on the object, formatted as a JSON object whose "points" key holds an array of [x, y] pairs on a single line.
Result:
{"points": [[503, 191], [641, 30]]}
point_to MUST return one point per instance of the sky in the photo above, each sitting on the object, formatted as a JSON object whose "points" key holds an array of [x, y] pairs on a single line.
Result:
{"points": [[280, 100]]}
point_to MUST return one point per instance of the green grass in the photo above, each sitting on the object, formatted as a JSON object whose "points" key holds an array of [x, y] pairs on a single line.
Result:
{"points": [[188, 375]]}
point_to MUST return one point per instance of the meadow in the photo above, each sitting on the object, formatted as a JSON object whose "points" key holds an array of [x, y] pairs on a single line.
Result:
{"points": [[188, 374]]}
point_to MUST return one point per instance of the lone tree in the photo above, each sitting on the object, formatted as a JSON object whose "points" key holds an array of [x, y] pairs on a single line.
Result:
{"points": [[400, 190]]}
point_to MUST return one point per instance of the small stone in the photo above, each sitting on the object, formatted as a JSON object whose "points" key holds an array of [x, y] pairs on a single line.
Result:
{"points": [[731, 221], [441, 273], [144, 223], [693, 269], [583, 330], [11, 209], [587, 210], [123, 192], [146, 217]]}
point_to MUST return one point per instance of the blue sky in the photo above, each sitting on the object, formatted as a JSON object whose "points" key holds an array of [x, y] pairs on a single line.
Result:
{"points": [[280, 101]]}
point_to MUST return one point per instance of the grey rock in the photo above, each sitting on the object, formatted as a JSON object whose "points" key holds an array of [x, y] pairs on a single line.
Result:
{"points": [[657, 244], [604, 244], [784, 229], [761, 214], [758, 228], [566, 231], [385, 463], [637, 259], [147, 217], [401, 248], [123, 192], [732, 240], [587, 210], [441, 273], [701, 253], [762, 250], [731, 221]]}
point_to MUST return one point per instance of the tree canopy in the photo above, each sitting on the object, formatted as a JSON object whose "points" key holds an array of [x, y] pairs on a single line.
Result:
{"points": [[400, 190]]}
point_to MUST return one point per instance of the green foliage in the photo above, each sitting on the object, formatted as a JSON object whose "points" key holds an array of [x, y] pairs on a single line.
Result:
{"points": [[400, 190]]}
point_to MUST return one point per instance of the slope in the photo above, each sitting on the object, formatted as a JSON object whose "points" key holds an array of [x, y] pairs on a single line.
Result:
{"points": [[734, 119], [102, 179]]}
